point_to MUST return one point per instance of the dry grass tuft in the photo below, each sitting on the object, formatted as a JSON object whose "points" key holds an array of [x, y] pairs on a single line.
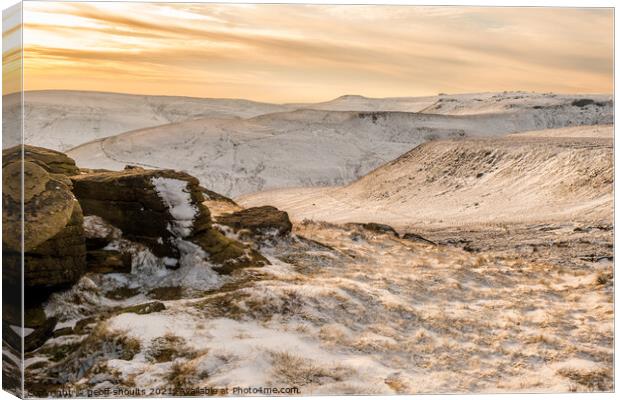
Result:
{"points": [[114, 344], [598, 380], [299, 371], [182, 375], [168, 348], [603, 278], [395, 382]]}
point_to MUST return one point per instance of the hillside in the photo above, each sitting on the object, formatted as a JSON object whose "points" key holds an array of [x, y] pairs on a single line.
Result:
{"points": [[63, 119], [498, 276], [454, 104], [200, 298], [309, 147], [560, 175]]}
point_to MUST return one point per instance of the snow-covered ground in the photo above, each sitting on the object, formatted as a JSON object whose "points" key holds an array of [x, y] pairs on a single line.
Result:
{"points": [[515, 296], [238, 146], [61, 119], [551, 175], [323, 148], [360, 313], [451, 104]]}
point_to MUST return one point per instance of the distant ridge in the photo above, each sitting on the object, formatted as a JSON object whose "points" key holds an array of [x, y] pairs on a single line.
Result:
{"points": [[315, 147]]}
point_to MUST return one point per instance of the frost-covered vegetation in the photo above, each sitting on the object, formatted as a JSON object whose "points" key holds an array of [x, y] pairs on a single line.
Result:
{"points": [[346, 310]]}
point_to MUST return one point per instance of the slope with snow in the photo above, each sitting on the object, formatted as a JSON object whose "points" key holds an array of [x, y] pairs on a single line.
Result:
{"points": [[362, 103], [526, 306], [559, 175], [456, 104], [61, 119], [309, 147], [508, 102], [361, 313]]}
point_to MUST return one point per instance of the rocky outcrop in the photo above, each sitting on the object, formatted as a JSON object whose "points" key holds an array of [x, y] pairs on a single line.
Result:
{"points": [[146, 308], [373, 227], [414, 237], [108, 261], [379, 228], [52, 161], [388, 230], [60, 261], [48, 205], [40, 335], [99, 233], [129, 201], [214, 196], [162, 209], [258, 221], [55, 252]]}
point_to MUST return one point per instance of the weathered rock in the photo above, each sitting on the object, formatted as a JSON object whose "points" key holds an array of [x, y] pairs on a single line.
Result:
{"points": [[60, 261], [33, 340], [40, 335], [11, 337], [158, 208], [48, 205], [129, 200], [34, 316], [99, 233], [414, 237], [218, 204], [228, 255], [377, 228], [259, 221], [55, 253], [108, 261], [146, 308], [582, 102], [85, 325], [52, 161], [166, 293], [93, 170], [66, 331], [122, 293], [214, 196]]}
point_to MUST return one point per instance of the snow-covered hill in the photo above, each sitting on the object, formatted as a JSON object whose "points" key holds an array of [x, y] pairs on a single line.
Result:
{"points": [[455, 104], [552, 175], [308, 147], [362, 103], [59, 119]]}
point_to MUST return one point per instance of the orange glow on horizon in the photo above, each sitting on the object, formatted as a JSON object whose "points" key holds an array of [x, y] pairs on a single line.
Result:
{"points": [[291, 53]]}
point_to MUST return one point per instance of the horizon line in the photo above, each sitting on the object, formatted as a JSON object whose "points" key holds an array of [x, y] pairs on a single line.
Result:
{"points": [[438, 94]]}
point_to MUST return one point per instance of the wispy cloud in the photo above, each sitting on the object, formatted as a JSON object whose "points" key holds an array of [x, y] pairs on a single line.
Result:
{"points": [[308, 53]]}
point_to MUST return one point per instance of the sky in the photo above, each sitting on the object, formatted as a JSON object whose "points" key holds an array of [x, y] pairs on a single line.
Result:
{"points": [[303, 53]]}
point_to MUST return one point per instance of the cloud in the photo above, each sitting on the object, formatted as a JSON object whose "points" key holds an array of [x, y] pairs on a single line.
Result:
{"points": [[318, 52]]}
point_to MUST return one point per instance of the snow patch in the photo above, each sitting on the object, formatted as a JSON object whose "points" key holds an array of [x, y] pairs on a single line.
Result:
{"points": [[97, 227], [23, 332], [150, 271], [176, 197]]}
